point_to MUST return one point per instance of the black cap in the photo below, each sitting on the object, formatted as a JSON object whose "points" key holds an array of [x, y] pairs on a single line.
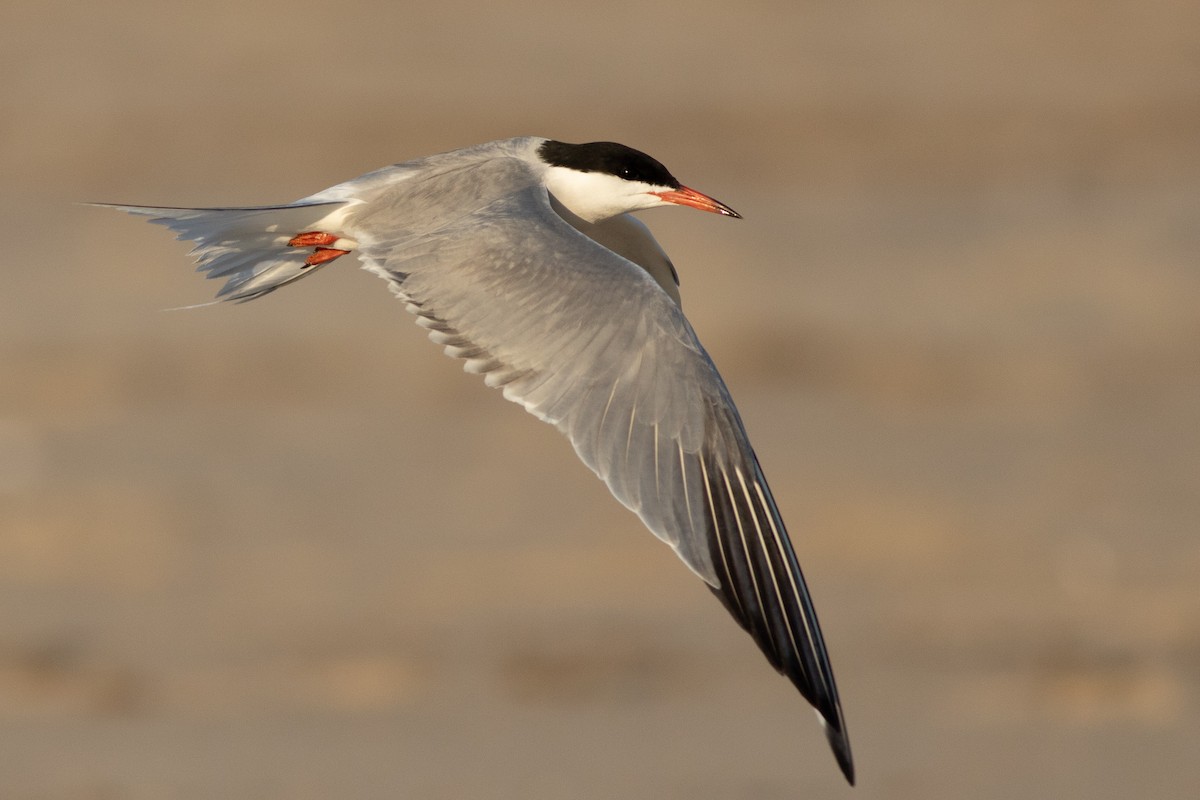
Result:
{"points": [[610, 157]]}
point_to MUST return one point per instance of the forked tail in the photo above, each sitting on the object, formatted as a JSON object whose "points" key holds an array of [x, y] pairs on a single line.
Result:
{"points": [[255, 249]]}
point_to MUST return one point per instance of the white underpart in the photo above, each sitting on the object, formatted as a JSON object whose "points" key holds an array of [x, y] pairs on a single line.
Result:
{"points": [[596, 196], [334, 223]]}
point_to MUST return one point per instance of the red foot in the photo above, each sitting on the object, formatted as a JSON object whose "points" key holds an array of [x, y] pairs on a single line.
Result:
{"points": [[323, 255], [312, 238], [320, 240]]}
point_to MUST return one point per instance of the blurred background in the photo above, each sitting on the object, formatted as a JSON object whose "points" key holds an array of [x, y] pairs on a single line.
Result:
{"points": [[289, 550]]}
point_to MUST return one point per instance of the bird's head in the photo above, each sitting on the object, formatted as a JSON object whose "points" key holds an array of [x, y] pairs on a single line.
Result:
{"points": [[599, 180]]}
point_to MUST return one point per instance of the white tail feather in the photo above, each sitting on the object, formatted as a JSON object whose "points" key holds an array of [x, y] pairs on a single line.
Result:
{"points": [[247, 246]]}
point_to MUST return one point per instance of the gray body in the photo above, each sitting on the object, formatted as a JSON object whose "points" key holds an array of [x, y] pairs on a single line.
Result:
{"points": [[578, 321]]}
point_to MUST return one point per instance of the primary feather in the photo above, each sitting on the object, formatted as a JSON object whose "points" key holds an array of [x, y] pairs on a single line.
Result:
{"points": [[577, 319]]}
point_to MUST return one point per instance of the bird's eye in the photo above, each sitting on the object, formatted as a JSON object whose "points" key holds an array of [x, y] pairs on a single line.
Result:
{"points": [[626, 172]]}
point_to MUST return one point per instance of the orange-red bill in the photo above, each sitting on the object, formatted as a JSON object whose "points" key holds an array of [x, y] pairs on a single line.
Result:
{"points": [[683, 196]]}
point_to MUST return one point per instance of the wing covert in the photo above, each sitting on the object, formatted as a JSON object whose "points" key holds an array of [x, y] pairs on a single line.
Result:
{"points": [[588, 341]]}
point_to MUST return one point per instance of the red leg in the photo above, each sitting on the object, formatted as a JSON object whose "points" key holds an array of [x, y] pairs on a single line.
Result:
{"points": [[312, 238], [323, 255]]}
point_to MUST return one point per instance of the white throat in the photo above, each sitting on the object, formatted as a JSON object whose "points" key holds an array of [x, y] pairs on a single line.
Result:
{"points": [[597, 196]]}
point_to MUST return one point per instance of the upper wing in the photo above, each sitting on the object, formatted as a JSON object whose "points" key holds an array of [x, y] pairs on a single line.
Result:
{"points": [[588, 341]]}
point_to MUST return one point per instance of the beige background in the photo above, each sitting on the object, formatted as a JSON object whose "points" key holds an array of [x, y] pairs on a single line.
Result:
{"points": [[288, 550]]}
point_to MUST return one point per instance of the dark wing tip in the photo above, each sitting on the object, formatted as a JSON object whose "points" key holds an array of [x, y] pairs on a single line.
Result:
{"points": [[839, 742], [824, 699], [763, 587]]}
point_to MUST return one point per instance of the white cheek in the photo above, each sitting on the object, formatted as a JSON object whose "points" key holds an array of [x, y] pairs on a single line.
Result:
{"points": [[594, 196]]}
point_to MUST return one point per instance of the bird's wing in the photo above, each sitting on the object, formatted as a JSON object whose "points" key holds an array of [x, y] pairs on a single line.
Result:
{"points": [[588, 341]]}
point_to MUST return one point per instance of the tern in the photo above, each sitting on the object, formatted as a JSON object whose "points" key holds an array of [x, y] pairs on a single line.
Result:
{"points": [[520, 256]]}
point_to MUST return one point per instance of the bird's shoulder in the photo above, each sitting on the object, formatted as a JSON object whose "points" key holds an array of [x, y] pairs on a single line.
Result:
{"points": [[493, 164], [437, 191]]}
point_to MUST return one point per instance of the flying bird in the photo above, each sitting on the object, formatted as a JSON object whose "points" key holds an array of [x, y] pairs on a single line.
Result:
{"points": [[520, 256]]}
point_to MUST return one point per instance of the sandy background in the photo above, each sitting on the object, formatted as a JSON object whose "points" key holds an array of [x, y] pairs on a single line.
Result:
{"points": [[288, 550]]}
